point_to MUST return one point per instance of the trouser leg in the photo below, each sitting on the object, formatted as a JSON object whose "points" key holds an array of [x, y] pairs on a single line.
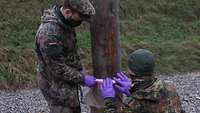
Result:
{"points": [[64, 109], [59, 109], [76, 109]]}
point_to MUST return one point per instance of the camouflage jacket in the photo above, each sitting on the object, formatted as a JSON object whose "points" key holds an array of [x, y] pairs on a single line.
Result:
{"points": [[160, 97], [58, 58]]}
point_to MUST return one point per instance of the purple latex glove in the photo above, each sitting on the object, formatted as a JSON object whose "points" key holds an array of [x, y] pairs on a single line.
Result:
{"points": [[82, 71], [107, 89], [89, 80], [123, 84]]}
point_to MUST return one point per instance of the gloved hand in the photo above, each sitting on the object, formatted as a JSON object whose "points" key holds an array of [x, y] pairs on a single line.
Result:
{"points": [[89, 80], [107, 89], [82, 71], [123, 84]]}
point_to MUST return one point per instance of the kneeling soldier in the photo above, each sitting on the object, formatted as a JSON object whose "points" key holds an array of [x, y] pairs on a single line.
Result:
{"points": [[146, 93]]}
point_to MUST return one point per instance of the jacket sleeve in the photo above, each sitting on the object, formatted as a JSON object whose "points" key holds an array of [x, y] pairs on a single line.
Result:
{"points": [[53, 54], [110, 106]]}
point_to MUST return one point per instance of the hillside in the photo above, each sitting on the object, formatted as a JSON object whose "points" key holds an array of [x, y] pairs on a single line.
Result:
{"points": [[170, 28]]}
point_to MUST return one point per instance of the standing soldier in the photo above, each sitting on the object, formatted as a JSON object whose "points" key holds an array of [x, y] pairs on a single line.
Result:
{"points": [[147, 94], [60, 73]]}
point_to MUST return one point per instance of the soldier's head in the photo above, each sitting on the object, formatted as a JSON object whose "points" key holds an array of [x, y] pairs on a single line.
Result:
{"points": [[141, 63], [77, 11]]}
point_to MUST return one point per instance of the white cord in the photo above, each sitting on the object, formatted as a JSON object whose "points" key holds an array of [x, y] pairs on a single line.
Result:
{"points": [[101, 80]]}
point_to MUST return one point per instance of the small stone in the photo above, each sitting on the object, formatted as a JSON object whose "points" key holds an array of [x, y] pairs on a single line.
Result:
{"points": [[198, 98]]}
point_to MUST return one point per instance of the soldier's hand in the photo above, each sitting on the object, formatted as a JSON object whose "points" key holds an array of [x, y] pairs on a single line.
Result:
{"points": [[123, 84], [107, 89], [89, 80], [82, 71]]}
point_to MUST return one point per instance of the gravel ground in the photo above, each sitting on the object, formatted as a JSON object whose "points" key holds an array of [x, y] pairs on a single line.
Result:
{"points": [[32, 101], [188, 87]]}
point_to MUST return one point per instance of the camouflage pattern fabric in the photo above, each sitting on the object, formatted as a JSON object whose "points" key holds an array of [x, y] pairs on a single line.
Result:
{"points": [[110, 106], [160, 97], [58, 62], [82, 6], [61, 109]]}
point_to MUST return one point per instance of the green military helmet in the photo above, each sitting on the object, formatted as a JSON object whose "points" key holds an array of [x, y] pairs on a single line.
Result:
{"points": [[141, 62], [82, 6]]}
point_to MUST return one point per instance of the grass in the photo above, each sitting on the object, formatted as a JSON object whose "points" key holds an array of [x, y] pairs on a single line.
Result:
{"points": [[169, 28]]}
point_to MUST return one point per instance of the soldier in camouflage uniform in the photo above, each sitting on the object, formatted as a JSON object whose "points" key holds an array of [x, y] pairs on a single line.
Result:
{"points": [[60, 73], [146, 94]]}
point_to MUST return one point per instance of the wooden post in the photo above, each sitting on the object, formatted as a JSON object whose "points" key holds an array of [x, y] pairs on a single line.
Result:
{"points": [[105, 46], [105, 38]]}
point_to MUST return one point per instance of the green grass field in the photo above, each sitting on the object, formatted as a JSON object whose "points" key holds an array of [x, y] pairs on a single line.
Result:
{"points": [[170, 28]]}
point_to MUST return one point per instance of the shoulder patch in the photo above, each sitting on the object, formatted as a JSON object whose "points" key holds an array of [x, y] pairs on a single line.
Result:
{"points": [[54, 45]]}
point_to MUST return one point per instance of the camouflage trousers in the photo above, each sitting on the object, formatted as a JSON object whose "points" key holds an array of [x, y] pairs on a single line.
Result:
{"points": [[58, 104], [60, 108], [63, 109]]}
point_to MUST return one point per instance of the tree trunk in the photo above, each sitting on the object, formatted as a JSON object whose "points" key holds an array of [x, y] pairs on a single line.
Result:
{"points": [[105, 46], [105, 38]]}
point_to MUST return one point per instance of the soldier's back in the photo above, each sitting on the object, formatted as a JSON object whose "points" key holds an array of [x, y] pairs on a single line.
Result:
{"points": [[160, 97]]}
